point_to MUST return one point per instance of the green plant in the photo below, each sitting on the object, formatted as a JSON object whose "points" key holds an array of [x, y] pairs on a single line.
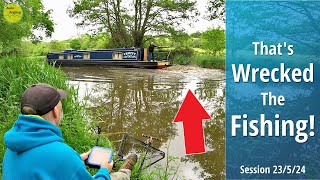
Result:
{"points": [[169, 171], [181, 51], [201, 60], [208, 61], [214, 40], [181, 59]]}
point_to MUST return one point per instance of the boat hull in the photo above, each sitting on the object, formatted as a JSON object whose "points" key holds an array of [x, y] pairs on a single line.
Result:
{"points": [[112, 63]]}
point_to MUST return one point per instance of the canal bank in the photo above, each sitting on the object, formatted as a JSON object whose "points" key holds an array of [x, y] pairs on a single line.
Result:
{"points": [[145, 102]]}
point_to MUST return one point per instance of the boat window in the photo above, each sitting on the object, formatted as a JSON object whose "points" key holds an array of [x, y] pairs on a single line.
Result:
{"points": [[86, 55], [117, 55], [61, 56], [70, 56]]}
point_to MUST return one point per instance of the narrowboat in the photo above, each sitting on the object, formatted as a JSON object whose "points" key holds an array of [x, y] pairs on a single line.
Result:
{"points": [[120, 57]]}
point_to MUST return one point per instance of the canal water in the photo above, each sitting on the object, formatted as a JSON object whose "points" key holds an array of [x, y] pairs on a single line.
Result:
{"points": [[145, 101]]}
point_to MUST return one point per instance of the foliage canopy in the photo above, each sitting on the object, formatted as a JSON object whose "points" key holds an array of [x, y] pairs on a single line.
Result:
{"points": [[127, 21], [35, 18]]}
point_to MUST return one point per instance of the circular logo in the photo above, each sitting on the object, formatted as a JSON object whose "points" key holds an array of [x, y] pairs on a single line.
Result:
{"points": [[12, 13]]}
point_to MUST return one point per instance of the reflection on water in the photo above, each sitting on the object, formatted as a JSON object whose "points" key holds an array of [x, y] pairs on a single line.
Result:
{"points": [[141, 101]]}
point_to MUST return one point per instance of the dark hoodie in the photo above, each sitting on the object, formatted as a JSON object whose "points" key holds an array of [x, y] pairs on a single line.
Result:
{"points": [[35, 150]]}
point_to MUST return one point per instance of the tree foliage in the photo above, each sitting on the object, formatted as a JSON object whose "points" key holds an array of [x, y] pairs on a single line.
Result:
{"points": [[214, 40], [98, 41], [217, 9], [128, 21], [34, 18], [75, 44], [56, 46]]}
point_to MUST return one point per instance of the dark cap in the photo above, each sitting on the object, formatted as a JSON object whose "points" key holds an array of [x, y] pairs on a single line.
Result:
{"points": [[42, 98]]}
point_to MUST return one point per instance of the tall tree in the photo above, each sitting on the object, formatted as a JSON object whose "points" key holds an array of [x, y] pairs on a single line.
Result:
{"points": [[34, 18], [128, 21]]}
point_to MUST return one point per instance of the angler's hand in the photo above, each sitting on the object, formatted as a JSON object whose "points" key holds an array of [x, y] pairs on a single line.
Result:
{"points": [[84, 156], [105, 164]]}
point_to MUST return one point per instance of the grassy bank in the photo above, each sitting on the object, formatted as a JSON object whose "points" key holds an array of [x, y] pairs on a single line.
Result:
{"points": [[205, 61], [19, 73]]}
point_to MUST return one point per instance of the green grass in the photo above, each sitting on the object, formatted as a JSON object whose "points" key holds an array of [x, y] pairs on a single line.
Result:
{"points": [[200, 51], [208, 61], [201, 60], [157, 172], [181, 59]]}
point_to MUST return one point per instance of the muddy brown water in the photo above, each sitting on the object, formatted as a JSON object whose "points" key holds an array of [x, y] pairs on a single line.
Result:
{"points": [[145, 101]]}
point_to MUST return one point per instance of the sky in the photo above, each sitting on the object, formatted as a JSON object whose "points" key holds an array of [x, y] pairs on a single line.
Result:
{"points": [[65, 26]]}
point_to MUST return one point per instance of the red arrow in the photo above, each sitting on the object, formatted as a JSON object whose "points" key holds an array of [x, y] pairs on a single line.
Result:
{"points": [[191, 113]]}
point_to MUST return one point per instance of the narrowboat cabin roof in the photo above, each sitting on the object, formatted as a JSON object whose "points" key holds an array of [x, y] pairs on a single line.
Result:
{"points": [[95, 50]]}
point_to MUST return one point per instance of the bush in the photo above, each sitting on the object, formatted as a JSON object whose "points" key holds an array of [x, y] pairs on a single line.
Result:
{"points": [[181, 59], [214, 40], [205, 61], [187, 52], [208, 61]]}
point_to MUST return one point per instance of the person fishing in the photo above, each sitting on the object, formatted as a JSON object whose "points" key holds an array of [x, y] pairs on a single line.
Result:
{"points": [[35, 148]]}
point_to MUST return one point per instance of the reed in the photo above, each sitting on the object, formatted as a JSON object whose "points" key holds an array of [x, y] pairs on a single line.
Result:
{"points": [[201, 60]]}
